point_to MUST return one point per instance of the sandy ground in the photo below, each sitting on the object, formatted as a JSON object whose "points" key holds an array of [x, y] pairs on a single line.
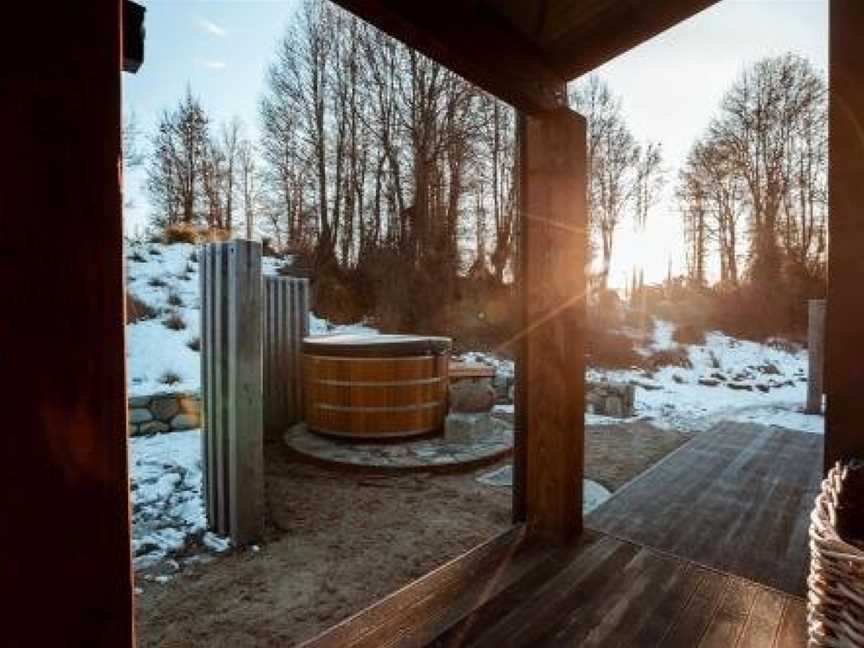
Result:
{"points": [[336, 542]]}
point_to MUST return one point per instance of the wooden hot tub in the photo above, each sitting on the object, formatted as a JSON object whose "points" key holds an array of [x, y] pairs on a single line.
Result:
{"points": [[375, 386]]}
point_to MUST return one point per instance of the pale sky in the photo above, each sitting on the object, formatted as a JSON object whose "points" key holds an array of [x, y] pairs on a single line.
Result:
{"points": [[671, 85]]}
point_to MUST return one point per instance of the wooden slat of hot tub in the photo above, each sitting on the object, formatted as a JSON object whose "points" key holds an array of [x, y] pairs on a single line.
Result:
{"points": [[375, 397], [385, 394], [374, 369], [369, 425]]}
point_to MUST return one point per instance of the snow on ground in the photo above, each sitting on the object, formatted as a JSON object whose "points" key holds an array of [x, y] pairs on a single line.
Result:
{"points": [[167, 509], [729, 379], [768, 384]]}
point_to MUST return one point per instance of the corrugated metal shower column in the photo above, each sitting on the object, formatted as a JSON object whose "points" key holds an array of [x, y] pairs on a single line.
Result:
{"points": [[286, 323], [231, 378]]}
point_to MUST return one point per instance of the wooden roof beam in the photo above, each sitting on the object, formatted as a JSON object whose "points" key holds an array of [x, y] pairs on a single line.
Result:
{"points": [[625, 25], [475, 42]]}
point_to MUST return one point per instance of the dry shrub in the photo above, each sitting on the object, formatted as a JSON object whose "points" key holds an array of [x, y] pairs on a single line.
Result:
{"points": [[194, 344], [170, 378], [138, 310], [174, 299], [674, 357], [611, 350], [689, 334], [181, 234], [174, 321]]}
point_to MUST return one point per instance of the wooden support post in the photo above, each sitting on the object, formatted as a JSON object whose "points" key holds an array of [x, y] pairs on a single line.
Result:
{"points": [[64, 489], [231, 379], [286, 323], [815, 355], [549, 464], [844, 359]]}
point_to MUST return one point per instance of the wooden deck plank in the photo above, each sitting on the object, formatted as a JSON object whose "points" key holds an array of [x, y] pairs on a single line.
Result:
{"points": [[575, 587], [670, 606], [621, 607], [764, 620], [728, 624], [521, 592], [691, 624], [735, 486], [792, 632]]}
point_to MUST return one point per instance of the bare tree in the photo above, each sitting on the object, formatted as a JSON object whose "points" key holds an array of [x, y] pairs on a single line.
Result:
{"points": [[759, 127], [618, 174], [246, 157]]}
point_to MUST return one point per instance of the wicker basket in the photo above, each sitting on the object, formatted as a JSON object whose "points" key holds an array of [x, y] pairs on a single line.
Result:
{"points": [[835, 602]]}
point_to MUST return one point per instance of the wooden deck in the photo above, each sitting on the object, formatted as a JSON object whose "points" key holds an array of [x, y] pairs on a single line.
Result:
{"points": [[706, 549], [736, 498], [615, 593]]}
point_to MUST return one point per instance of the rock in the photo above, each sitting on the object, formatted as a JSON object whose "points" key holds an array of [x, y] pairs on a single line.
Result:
{"points": [[467, 427], [678, 379], [471, 397], [718, 376], [140, 415], [769, 368], [709, 382], [763, 388], [153, 427], [739, 386], [190, 405], [185, 422], [139, 401], [646, 386], [132, 429], [165, 407]]}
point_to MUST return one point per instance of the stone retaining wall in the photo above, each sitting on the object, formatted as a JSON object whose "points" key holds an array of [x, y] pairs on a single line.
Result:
{"points": [[159, 413]]}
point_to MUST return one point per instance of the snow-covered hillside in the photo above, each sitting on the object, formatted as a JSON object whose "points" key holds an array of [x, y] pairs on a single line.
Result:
{"points": [[729, 379], [165, 278]]}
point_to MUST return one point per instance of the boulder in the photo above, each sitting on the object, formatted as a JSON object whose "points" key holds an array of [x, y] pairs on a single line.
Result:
{"points": [[190, 405], [185, 422], [139, 401], [139, 415], [471, 397], [153, 427], [739, 386], [165, 407]]}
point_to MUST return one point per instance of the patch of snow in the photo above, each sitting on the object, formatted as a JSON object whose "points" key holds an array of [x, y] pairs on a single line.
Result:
{"points": [[769, 385], [593, 494], [167, 508], [215, 543]]}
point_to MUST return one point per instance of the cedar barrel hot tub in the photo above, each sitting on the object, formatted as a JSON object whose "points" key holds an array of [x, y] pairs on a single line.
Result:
{"points": [[375, 386]]}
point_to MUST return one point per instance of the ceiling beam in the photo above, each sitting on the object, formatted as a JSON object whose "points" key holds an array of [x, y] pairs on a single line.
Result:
{"points": [[623, 26], [475, 42]]}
